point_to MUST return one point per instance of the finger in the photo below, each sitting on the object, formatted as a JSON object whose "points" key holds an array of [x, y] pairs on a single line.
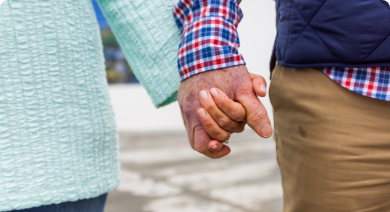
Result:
{"points": [[232, 109], [257, 117], [215, 146], [220, 117], [259, 85], [211, 126], [202, 141], [197, 135]]}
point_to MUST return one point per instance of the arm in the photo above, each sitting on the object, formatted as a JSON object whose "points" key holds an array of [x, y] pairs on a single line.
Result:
{"points": [[208, 58], [148, 37]]}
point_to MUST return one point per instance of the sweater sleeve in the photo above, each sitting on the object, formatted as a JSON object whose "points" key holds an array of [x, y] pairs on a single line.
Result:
{"points": [[149, 38], [209, 35]]}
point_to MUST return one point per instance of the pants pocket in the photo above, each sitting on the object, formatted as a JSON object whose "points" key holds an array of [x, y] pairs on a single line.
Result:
{"points": [[273, 88]]}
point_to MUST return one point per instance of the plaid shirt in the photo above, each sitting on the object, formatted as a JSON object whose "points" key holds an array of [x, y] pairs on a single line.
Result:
{"points": [[210, 41], [209, 35], [373, 82]]}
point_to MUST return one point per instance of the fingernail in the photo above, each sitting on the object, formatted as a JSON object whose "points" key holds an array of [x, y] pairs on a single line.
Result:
{"points": [[203, 94], [201, 114], [262, 88], [214, 92], [214, 147], [266, 130]]}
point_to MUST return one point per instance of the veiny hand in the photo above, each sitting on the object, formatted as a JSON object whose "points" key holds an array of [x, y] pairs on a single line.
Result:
{"points": [[236, 83], [221, 112]]}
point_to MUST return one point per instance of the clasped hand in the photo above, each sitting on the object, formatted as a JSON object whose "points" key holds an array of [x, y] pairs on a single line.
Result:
{"points": [[216, 103]]}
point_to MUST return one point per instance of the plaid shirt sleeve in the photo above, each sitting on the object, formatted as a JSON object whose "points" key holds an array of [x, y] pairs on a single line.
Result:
{"points": [[209, 35]]}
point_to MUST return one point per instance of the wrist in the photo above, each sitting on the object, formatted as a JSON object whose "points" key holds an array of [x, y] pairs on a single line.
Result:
{"points": [[201, 51], [225, 79]]}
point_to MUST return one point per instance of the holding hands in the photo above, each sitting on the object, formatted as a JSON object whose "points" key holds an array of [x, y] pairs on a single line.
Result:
{"points": [[216, 103]]}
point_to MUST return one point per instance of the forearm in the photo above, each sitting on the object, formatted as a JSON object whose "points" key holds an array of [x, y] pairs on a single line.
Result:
{"points": [[148, 37]]}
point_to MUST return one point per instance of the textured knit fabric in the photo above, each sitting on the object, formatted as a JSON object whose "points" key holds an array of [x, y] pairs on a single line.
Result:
{"points": [[372, 82], [58, 139], [149, 38], [209, 35]]}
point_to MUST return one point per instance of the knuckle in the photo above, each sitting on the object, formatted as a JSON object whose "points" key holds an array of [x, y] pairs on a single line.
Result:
{"points": [[207, 106], [258, 115], [236, 113], [223, 102], [224, 123], [222, 136], [207, 124]]}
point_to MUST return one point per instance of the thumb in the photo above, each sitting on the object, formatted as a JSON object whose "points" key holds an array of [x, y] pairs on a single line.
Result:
{"points": [[259, 84], [257, 116]]}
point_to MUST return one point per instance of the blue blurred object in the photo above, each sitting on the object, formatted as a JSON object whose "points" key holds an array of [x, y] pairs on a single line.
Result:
{"points": [[99, 15], [117, 67]]}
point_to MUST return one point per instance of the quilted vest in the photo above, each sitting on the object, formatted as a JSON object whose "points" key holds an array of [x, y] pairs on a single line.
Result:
{"points": [[339, 33]]}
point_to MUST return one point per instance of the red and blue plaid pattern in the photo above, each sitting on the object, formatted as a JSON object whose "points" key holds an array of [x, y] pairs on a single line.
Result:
{"points": [[210, 41], [372, 82], [209, 35]]}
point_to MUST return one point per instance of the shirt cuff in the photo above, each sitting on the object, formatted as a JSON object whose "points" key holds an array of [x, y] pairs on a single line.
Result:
{"points": [[208, 43]]}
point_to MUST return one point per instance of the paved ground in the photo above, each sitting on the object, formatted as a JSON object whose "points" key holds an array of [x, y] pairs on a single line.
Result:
{"points": [[161, 173]]}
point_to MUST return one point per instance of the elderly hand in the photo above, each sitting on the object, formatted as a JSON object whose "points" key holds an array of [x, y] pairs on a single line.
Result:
{"points": [[221, 112], [236, 84]]}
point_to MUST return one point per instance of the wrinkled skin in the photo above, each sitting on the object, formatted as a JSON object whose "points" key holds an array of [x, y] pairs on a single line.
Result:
{"points": [[236, 83]]}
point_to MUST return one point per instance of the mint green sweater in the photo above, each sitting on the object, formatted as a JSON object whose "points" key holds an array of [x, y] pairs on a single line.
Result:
{"points": [[58, 140]]}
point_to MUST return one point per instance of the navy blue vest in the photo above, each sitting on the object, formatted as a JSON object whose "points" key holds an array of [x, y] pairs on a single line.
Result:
{"points": [[340, 33]]}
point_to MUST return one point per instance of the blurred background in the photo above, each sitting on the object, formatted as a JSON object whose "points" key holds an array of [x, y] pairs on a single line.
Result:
{"points": [[160, 171]]}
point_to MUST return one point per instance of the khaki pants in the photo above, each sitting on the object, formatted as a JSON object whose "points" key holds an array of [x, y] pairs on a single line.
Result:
{"points": [[333, 145]]}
